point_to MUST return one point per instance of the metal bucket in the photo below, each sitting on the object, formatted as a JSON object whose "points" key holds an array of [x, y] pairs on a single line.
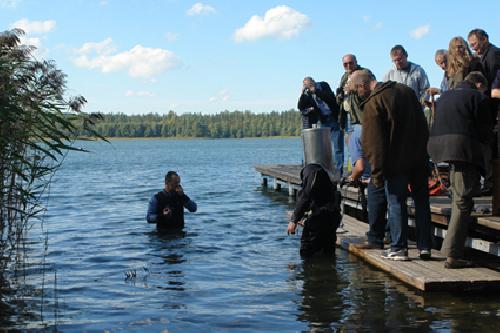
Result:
{"points": [[318, 149]]}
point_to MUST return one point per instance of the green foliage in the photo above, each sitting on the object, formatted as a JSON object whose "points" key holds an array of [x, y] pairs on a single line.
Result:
{"points": [[235, 124], [38, 125]]}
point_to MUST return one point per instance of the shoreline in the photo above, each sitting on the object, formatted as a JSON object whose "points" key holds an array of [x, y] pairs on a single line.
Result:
{"points": [[120, 138]]}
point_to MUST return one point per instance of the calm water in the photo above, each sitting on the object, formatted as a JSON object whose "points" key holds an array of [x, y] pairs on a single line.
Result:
{"points": [[234, 269]]}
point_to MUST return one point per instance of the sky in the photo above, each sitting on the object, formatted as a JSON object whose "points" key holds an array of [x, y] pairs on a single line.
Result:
{"points": [[153, 56]]}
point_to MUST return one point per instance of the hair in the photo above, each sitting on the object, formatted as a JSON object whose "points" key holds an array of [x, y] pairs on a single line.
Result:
{"points": [[398, 47], [362, 76], [477, 77], [308, 78], [441, 52], [170, 175], [350, 55], [479, 33], [458, 62]]}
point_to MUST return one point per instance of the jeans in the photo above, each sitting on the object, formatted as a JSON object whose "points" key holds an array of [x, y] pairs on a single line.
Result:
{"points": [[465, 182], [396, 189], [337, 136], [377, 209]]}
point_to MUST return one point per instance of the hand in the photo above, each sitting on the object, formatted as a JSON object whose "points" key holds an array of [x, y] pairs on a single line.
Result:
{"points": [[291, 228], [167, 211], [432, 91], [179, 190]]}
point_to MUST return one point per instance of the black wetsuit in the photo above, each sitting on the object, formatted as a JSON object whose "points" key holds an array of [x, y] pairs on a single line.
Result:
{"points": [[176, 204], [319, 195]]}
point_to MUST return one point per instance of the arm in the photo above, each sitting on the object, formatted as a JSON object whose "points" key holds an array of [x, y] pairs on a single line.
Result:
{"points": [[189, 204], [483, 120], [423, 83], [326, 94], [152, 216], [374, 141], [357, 171], [495, 93]]}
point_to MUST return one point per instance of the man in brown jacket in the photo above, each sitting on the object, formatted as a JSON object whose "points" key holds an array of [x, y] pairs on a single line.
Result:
{"points": [[394, 140]]}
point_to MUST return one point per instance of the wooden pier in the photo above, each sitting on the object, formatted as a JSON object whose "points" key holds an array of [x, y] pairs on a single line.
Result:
{"points": [[483, 240]]}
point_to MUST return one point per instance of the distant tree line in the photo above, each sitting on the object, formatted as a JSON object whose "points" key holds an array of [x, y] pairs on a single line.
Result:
{"points": [[226, 124]]}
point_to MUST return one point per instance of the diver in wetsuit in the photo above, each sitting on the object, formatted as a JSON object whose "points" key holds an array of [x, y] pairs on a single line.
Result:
{"points": [[320, 196], [166, 208]]}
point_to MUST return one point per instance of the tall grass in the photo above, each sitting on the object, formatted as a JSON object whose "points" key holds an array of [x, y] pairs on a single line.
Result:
{"points": [[38, 123]]}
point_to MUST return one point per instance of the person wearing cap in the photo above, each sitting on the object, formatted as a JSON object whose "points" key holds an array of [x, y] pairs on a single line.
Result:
{"points": [[166, 208], [461, 128]]}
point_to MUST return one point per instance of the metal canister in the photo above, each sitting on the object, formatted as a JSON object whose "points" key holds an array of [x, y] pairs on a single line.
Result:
{"points": [[318, 149]]}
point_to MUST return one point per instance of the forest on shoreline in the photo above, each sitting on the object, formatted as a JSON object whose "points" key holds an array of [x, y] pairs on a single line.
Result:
{"points": [[226, 124]]}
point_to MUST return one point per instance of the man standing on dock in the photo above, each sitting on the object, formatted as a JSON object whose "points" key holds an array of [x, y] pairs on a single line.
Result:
{"points": [[317, 104], [394, 139], [461, 132], [376, 201], [166, 208]]}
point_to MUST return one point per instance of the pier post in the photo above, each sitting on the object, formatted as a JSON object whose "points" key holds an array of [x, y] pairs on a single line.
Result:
{"points": [[264, 181], [277, 185]]}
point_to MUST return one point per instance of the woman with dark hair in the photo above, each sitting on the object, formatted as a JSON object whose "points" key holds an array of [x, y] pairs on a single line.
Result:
{"points": [[460, 61]]}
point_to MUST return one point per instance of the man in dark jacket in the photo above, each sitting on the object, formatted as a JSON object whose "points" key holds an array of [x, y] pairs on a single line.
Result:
{"points": [[461, 130], [317, 103], [320, 196], [489, 56], [166, 208], [394, 139]]}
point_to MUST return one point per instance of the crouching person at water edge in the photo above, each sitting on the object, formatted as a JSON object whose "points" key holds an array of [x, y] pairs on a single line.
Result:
{"points": [[320, 196], [166, 208]]}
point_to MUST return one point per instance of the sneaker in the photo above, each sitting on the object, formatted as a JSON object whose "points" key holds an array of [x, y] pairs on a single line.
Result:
{"points": [[401, 255], [456, 264], [424, 254]]}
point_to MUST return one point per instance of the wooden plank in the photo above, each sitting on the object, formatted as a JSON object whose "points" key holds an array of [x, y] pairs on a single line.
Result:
{"points": [[492, 222], [424, 275]]}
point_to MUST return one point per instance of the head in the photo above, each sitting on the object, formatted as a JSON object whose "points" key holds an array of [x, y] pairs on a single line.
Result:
{"points": [[459, 55], [363, 82], [441, 58], [478, 40], [478, 80], [350, 63], [399, 56], [172, 181], [308, 82]]}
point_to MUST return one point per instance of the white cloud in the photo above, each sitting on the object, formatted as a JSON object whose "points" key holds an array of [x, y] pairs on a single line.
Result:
{"points": [[9, 3], [280, 21], [34, 27], [139, 93], [171, 36], [199, 9], [139, 61], [420, 32], [103, 3], [221, 96], [366, 18], [379, 25]]}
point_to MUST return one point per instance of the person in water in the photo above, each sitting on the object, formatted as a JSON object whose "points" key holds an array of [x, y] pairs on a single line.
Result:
{"points": [[320, 196], [166, 208]]}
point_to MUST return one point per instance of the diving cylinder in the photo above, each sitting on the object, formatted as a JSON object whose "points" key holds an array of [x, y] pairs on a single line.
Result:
{"points": [[318, 149]]}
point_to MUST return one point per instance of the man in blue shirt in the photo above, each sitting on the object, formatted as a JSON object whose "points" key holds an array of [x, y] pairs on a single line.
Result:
{"points": [[166, 208], [377, 203]]}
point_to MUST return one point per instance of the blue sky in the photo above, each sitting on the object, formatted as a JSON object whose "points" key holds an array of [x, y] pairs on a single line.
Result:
{"points": [[146, 56]]}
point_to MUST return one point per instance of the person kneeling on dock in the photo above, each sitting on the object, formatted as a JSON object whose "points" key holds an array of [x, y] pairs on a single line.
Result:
{"points": [[166, 208], [320, 196]]}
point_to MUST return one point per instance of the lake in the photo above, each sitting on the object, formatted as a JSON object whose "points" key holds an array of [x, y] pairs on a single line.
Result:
{"points": [[94, 264]]}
